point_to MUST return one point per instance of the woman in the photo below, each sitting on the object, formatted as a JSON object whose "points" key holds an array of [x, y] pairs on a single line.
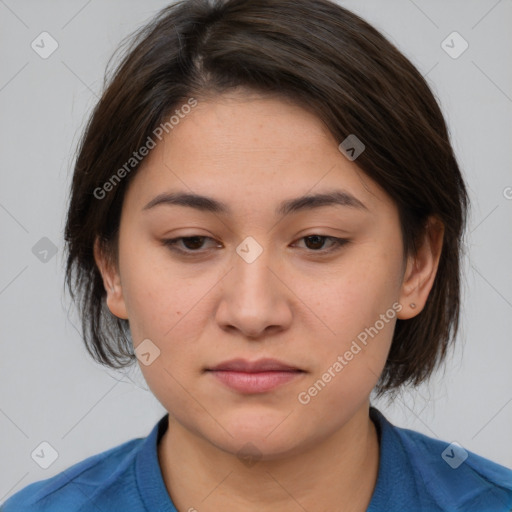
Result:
{"points": [[267, 214]]}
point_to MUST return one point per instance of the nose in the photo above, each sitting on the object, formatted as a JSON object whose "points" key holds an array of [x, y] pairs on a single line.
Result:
{"points": [[255, 301]]}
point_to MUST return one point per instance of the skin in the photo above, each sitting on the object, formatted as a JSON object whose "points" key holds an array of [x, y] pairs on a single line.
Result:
{"points": [[292, 303]]}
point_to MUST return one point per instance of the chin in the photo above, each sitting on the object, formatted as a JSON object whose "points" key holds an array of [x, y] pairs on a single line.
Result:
{"points": [[256, 436], [249, 449]]}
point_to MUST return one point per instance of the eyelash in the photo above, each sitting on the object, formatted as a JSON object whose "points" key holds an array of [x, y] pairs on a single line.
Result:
{"points": [[171, 243]]}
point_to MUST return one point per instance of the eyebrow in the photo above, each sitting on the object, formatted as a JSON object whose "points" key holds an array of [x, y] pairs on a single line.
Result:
{"points": [[307, 202]]}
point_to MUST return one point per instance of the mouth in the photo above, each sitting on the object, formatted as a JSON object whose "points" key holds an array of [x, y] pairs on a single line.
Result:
{"points": [[258, 376]]}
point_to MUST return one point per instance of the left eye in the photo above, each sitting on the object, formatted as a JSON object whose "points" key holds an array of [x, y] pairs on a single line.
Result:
{"points": [[318, 240], [193, 244]]}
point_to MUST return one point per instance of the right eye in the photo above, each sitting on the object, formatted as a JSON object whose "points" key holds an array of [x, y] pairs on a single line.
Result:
{"points": [[192, 244]]}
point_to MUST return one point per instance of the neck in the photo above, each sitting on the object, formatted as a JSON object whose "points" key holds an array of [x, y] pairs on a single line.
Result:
{"points": [[337, 473]]}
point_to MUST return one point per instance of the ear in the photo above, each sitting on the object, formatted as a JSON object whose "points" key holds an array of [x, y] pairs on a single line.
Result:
{"points": [[421, 270], [111, 282]]}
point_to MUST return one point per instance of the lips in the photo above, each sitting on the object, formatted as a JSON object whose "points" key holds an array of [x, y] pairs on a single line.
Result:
{"points": [[261, 365], [258, 376]]}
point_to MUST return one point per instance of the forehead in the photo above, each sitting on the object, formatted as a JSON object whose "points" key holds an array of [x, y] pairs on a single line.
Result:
{"points": [[250, 151]]}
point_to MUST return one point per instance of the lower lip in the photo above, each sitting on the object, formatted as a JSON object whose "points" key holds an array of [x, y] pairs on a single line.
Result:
{"points": [[260, 382]]}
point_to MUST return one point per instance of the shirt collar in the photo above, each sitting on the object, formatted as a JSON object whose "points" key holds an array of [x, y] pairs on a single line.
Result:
{"points": [[394, 468], [149, 477]]}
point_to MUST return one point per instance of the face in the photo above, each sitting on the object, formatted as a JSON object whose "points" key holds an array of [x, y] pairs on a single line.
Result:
{"points": [[251, 278]]}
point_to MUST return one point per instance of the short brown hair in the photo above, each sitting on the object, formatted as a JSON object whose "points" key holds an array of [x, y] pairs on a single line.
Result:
{"points": [[326, 59]]}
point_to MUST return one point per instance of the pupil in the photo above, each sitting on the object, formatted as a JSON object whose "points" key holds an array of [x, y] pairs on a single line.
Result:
{"points": [[318, 239], [187, 242]]}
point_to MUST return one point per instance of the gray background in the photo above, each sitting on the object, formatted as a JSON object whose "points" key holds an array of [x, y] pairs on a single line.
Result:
{"points": [[51, 391]]}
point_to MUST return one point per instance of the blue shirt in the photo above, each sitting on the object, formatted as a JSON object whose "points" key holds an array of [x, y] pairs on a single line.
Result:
{"points": [[416, 473]]}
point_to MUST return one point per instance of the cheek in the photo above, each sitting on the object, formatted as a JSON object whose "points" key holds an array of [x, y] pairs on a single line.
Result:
{"points": [[170, 310], [165, 308], [357, 304], [350, 360], [359, 291]]}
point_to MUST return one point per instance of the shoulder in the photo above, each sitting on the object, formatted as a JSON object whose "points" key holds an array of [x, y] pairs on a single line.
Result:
{"points": [[72, 489], [452, 477]]}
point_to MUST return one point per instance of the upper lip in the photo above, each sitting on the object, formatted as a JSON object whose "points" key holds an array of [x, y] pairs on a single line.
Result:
{"points": [[260, 365]]}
